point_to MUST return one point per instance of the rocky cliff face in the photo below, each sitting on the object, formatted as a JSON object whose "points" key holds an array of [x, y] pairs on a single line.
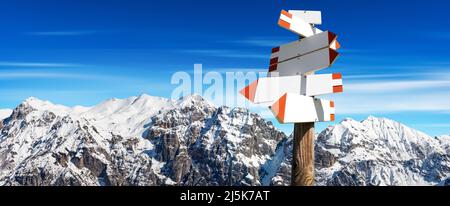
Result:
{"points": [[154, 141]]}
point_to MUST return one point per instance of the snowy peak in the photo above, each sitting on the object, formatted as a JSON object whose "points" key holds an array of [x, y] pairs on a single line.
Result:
{"points": [[380, 151], [192, 100], [38, 104], [141, 140], [129, 105]]}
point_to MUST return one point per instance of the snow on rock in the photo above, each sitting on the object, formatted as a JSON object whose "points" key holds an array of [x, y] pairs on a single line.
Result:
{"points": [[146, 140], [140, 140], [377, 151]]}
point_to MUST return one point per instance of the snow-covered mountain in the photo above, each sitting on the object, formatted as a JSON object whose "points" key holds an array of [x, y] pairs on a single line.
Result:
{"points": [[376, 151], [149, 140], [136, 141]]}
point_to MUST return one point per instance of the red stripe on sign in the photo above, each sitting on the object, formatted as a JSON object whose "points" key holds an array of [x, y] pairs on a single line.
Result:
{"points": [[249, 91], [331, 37], [333, 56], [338, 89], [332, 104], [273, 67], [284, 24], [279, 108], [337, 76], [274, 61], [332, 117], [338, 45], [275, 50], [286, 13]]}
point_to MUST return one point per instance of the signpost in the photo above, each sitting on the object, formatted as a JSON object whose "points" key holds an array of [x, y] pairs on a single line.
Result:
{"points": [[304, 46], [270, 89], [292, 87], [295, 108]]}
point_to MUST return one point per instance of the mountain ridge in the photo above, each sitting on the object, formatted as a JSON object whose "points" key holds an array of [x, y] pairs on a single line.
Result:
{"points": [[145, 140]]}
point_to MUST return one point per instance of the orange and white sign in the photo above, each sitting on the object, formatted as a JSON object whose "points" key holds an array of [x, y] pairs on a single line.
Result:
{"points": [[269, 89], [305, 64], [295, 108], [322, 84], [296, 24], [311, 17], [304, 46]]}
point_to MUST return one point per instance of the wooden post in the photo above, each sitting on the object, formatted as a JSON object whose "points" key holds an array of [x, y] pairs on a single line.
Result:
{"points": [[303, 155]]}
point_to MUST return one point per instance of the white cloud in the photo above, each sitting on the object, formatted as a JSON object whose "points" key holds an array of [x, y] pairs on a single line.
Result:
{"points": [[390, 86], [435, 125], [226, 53], [14, 74], [262, 41], [35, 64], [373, 76], [245, 70], [380, 103], [40, 74]]}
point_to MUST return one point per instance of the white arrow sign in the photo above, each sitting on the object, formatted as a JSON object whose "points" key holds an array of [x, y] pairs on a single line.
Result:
{"points": [[307, 63], [323, 84], [304, 46], [270, 89], [296, 24], [311, 17], [295, 108]]}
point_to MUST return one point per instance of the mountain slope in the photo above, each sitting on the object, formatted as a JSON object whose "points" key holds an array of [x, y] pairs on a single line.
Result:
{"points": [[136, 141], [149, 140], [376, 151]]}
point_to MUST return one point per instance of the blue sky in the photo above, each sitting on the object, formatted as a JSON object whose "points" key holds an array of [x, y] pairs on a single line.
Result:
{"points": [[395, 55]]}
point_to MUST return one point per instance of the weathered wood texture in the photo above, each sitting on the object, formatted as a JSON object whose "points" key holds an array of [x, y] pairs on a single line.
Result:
{"points": [[303, 155]]}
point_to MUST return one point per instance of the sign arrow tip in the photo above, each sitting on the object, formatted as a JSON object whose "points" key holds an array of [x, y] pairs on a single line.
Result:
{"points": [[250, 91]]}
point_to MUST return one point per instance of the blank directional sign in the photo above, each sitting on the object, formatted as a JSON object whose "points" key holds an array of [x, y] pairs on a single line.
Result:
{"points": [[296, 24], [304, 46], [307, 63], [270, 89], [311, 17], [295, 108], [323, 84]]}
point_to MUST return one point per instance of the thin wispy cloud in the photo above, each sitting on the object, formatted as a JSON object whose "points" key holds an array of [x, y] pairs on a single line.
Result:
{"points": [[40, 75], [244, 70], [373, 76], [225, 53], [384, 104], [261, 41], [36, 64], [60, 74], [390, 86], [394, 93], [61, 33], [435, 125]]}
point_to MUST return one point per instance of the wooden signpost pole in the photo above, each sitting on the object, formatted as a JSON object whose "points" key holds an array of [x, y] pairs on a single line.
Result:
{"points": [[303, 155]]}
